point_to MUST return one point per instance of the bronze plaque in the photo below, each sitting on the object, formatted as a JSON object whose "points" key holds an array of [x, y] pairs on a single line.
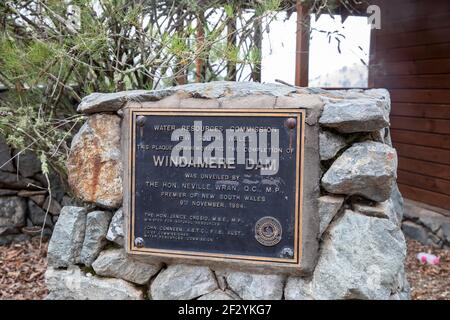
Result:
{"points": [[188, 197]]}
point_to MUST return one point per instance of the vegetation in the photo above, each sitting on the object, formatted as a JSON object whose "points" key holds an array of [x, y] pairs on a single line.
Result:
{"points": [[54, 52]]}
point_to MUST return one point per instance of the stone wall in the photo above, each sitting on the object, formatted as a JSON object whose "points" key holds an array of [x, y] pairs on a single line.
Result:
{"points": [[361, 249], [428, 225], [25, 198]]}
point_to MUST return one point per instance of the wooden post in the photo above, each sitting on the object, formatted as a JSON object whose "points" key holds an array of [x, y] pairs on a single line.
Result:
{"points": [[180, 74], [200, 71], [302, 45], [373, 66], [231, 44], [256, 74]]}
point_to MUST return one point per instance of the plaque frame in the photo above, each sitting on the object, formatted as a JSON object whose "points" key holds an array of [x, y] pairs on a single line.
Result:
{"points": [[205, 257]]}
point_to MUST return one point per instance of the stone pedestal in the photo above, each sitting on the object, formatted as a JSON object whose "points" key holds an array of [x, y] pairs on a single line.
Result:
{"points": [[354, 248]]}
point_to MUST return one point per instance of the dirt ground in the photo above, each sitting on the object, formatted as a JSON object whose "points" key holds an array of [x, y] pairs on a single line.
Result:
{"points": [[428, 282], [22, 268]]}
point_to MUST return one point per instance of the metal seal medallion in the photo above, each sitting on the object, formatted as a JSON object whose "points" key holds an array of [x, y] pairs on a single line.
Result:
{"points": [[268, 231]]}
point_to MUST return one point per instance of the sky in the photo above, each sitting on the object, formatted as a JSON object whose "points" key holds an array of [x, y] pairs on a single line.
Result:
{"points": [[278, 49]]}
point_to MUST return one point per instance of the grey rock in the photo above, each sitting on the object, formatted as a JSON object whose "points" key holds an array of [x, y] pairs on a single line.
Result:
{"points": [[221, 277], [421, 220], [403, 286], [28, 164], [38, 199], [380, 94], [68, 235], [117, 264], [182, 282], [358, 115], [8, 230], [368, 169], [434, 240], [218, 295], [36, 231], [73, 284], [328, 207], [376, 210], [387, 137], [31, 193], [377, 136], [6, 164], [440, 233], [256, 286], [38, 215], [428, 218], [69, 201], [384, 210], [115, 230], [404, 295], [55, 219], [330, 144], [111, 102], [221, 89], [382, 135], [13, 238], [57, 186], [446, 232], [97, 223], [54, 207], [433, 221], [415, 231], [9, 180], [314, 90], [7, 192], [397, 202], [12, 212], [298, 289], [47, 234], [361, 258]]}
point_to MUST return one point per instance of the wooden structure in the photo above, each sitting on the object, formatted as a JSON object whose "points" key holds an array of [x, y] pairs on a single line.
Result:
{"points": [[410, 56]]}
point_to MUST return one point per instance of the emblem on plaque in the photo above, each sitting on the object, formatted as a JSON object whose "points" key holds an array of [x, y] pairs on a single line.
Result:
{"points": [[268, 231]]}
